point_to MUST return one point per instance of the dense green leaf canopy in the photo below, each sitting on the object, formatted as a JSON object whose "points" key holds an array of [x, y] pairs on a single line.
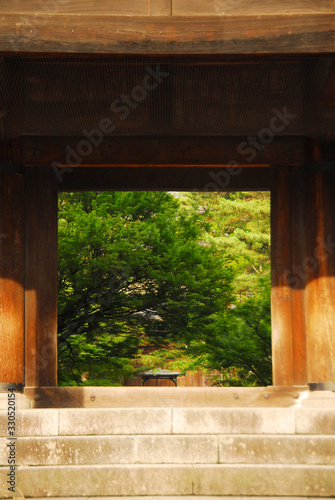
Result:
{"points": [[133, 268]]}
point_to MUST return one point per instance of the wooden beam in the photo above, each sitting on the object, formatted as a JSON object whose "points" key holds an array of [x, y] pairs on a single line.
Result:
{"points": [[245, 7], [11, 278], [155, 151], [179, 7], [41, 277], [71, 7], [165, 179], [146, 397], [160, 7], [106, 34]]}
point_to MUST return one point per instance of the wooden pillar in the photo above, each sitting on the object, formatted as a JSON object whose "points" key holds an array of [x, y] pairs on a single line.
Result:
{"points": [[320, 274], [303, 275], [11, 278], [41, 277]]}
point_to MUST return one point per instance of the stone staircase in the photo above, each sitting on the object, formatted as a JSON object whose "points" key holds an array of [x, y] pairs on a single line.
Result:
{"points": [[172, 452]]}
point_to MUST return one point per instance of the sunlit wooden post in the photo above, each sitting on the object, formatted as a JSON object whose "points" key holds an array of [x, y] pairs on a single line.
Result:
{"points": [[303, 275], [11, 278]]}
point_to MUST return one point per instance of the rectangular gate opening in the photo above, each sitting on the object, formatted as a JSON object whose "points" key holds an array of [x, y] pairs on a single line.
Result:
{"points": [[156, 280]]}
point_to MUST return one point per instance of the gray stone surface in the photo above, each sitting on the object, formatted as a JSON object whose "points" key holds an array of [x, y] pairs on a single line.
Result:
{"points": [[40, 422], [84, 450], [233, 420], [21, 402], [129, 480], [165, 451], [115, 421], [315, 421], [319, 399], [263, 480], [246, 449], [185, 497], [98, 480]]}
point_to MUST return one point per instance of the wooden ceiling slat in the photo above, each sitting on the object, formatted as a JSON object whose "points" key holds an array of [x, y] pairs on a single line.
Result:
{"points": [[196, 96]]}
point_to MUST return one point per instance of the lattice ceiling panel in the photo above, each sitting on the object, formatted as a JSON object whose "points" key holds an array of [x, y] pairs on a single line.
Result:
{"points": [[166, 96]]}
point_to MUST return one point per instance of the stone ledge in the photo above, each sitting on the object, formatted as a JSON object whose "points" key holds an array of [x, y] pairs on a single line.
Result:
{"points": [[32, 422], [265, 480], [173, 449], [145, 421], [270, 449], [233, 420], [183, 497], [315, 421], [99, 421], [170, 480], [90, 450]]}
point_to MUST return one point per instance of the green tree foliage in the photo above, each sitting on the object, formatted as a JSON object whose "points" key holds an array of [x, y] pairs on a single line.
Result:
{"points": [[239, 226], [238, 342], [132, 269]]}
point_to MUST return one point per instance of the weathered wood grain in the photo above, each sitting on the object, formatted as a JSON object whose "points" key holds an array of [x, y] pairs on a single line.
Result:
{"points": [[281, 307], [41, 277], [297, 240], [255, 34], [247, 7], [168, 397], [164, 7], [71, 7], [303, 274], [160, 7], [319, 268], [11, 278]]}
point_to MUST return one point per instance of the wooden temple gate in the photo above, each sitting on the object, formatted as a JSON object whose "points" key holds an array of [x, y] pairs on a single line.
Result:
{"points": [[169, 95]]}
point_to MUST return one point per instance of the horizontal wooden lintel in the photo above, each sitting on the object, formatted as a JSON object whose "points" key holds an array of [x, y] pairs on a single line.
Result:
{"points": [[168, 7], [296, 33], [99, 150], [148, 397]]}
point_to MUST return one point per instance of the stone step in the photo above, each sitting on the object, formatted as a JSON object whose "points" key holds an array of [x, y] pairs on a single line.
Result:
{"points": [[169, 480], [172, 449], [132, 421], [184, 497]]}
